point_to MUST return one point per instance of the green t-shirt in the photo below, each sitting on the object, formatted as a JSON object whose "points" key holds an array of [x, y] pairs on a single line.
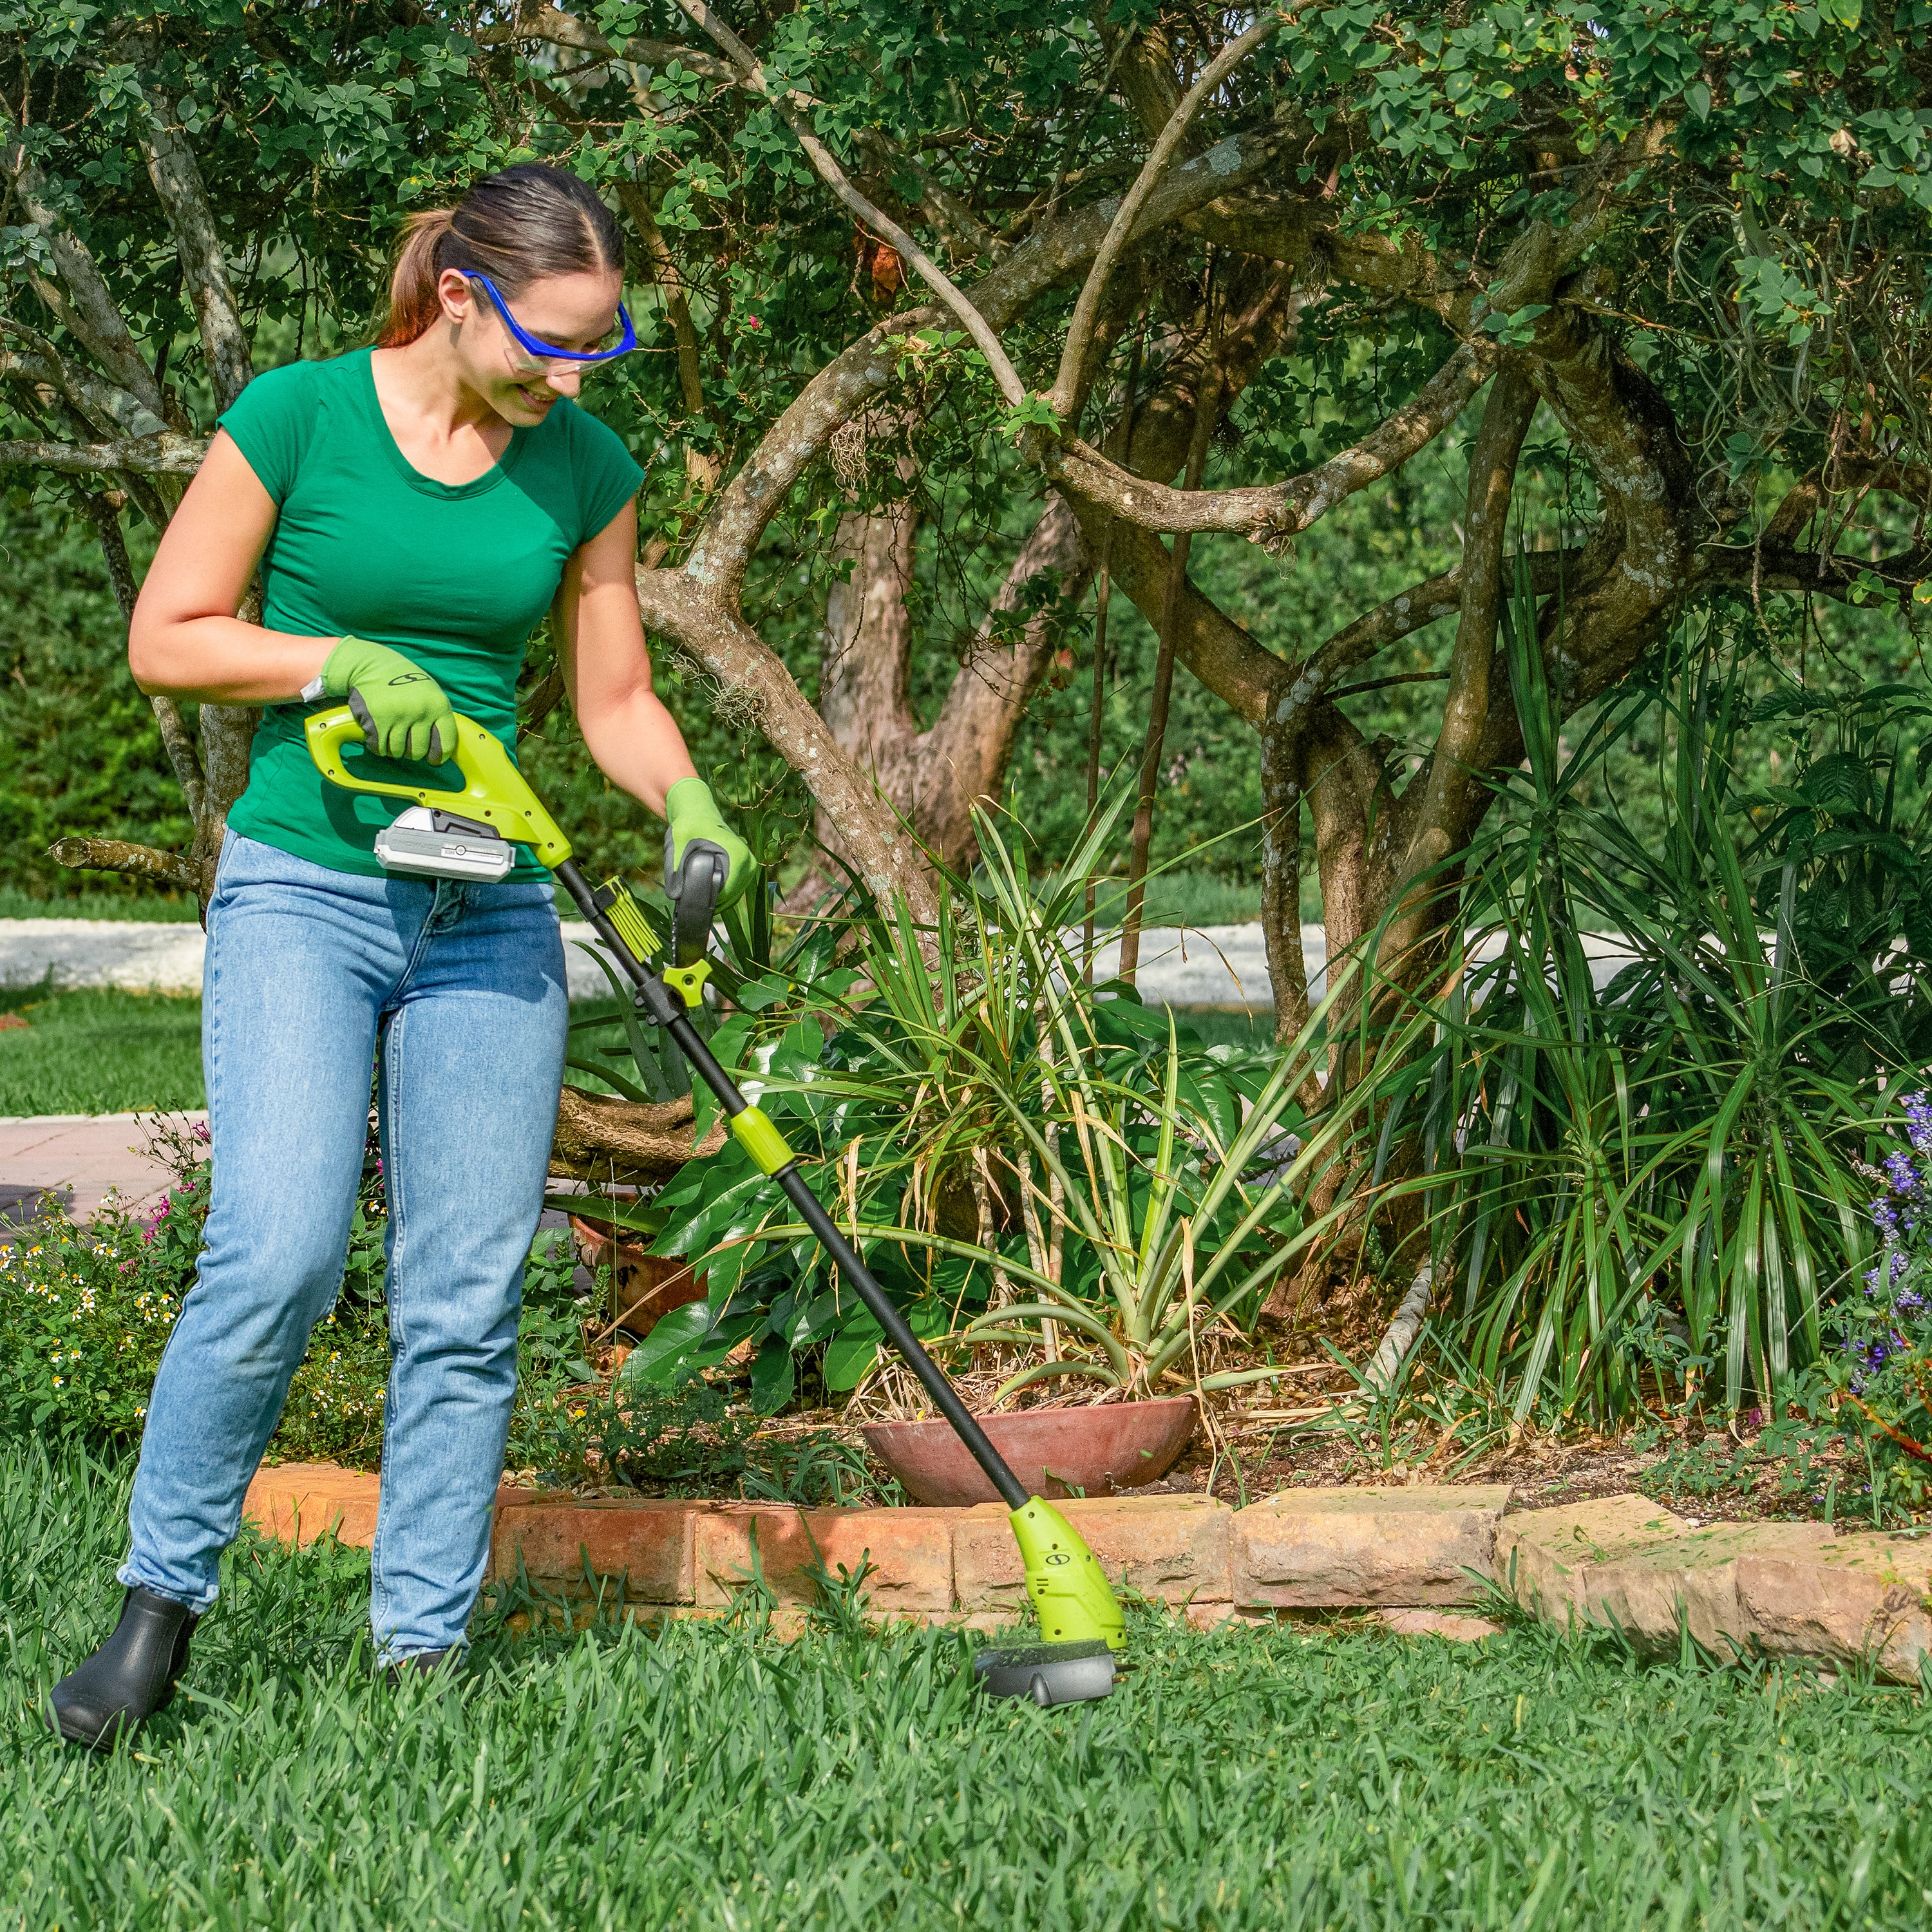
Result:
{"points": [[456, 576]]}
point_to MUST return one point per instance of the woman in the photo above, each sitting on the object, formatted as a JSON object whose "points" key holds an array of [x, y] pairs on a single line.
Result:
{"points": [[415, 509]]}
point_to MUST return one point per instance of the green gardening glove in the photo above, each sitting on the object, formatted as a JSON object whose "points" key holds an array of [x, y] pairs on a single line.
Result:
{"points": [[692, 814], [401, 708]]}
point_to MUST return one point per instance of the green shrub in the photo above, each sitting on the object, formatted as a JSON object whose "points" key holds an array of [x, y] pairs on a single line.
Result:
{"points": [[85, 1312], [1643, 1192]]}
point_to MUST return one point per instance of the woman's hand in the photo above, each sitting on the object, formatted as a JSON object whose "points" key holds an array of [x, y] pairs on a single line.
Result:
{"points": [[691, 816], [185, 640], [402, 710]]}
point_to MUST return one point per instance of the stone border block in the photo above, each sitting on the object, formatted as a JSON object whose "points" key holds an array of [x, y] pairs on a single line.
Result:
{"points": [[1866, 1595], [1788, 1589], [298, 1503], [911, 1550], [1546, 1558], [648, 1543], [1174, 1549], [1333, 1549]]}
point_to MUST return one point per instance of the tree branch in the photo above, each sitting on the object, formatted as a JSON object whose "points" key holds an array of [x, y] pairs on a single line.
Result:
{"points": [[558, 28], [165, 454], [123, 855], [90, 311], [722, 644], [1206, 414], [184, 199], [851, 380], [1272, 512], [1438, 827], [107, 408], [1086, 308], [1785, 568], [835, 177]]}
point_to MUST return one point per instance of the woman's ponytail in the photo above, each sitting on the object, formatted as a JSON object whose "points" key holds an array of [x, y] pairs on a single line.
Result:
{"points": [[516, 226], [414, 304]]}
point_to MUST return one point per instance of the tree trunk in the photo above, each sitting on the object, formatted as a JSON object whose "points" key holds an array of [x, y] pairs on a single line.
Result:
{"points": [[865, 686]]}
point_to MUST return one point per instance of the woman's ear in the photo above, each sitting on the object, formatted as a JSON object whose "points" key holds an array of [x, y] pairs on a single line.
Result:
{"points": [[454, 292]]}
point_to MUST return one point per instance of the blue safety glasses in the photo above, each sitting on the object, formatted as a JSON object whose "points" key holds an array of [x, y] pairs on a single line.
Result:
{"points": [[548, 351]]}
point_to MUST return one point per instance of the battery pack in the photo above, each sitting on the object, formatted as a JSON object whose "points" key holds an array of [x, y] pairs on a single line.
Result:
{"points": [[423, 843]]}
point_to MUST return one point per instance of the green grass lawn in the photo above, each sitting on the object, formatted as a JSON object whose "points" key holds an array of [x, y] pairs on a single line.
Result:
{"points": [[99, 1051], [709, 1777], [1181, 897], [102, 902]]}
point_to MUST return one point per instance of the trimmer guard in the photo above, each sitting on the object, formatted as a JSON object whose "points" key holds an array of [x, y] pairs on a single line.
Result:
{"points": [[1047, 1674]]}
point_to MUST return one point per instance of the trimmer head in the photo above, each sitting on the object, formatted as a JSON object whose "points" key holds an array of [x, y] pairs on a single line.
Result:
{"points": [[1070, 1595], [1048, 1674]]}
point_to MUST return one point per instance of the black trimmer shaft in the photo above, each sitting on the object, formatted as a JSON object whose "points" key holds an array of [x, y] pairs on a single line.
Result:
{"points": [[665, 1008]]}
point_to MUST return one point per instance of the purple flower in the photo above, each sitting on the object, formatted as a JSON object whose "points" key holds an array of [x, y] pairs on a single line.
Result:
{"points": [[1899, 1169], [1885, 1217], [1910, 1302], [1898, 1266], [1918, 1121]]}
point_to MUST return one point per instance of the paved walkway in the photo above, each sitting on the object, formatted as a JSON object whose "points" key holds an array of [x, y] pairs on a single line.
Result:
{"points": [[78, 1158]]}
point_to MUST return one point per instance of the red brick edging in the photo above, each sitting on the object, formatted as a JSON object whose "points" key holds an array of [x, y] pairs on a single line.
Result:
{"points": [[1411, 1553]]}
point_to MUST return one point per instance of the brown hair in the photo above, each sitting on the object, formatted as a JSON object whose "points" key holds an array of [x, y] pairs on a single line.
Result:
{"points": [[516, 226]]}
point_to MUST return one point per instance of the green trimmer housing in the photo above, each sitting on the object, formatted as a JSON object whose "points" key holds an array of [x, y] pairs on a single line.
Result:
{"points": [[1080, 1622]]}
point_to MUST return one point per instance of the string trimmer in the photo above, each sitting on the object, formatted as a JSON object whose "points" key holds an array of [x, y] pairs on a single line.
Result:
{"points": [[466, 833]]}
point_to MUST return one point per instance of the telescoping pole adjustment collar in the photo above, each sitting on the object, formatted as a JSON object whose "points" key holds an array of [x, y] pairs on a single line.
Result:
{"points": [[664, 998]]}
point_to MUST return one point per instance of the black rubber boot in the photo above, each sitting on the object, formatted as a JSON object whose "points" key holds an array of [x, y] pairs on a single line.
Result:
{"points": [[130, 1677], [419, 1663]]}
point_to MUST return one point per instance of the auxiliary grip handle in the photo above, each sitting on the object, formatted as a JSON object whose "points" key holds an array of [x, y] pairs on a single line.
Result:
{"points": [[694, 891], [494, 792]]}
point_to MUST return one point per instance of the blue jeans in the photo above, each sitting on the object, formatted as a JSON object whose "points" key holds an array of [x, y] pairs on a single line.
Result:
{"points": [[309, 973]]}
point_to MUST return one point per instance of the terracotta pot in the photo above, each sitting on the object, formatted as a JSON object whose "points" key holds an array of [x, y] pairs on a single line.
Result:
{"points": [[645, 1287], [1053, 1451]]}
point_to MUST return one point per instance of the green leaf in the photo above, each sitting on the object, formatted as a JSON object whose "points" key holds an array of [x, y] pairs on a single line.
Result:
{"points": [[851, 1353], [771, 1375], [662, 1353]]}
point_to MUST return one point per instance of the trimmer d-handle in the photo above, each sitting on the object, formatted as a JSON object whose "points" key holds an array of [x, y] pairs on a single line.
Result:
{"points": [[493, 792]]}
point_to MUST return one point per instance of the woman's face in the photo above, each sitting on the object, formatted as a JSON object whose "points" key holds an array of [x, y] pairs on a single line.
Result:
{"points": [[577, 311]]}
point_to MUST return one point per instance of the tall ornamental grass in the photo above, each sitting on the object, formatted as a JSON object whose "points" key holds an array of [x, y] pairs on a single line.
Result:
{"points": [[1644, 1190]]}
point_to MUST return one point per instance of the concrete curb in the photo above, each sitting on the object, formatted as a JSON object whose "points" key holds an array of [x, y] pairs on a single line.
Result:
{"points": [[1224, 966], [1418, 1557]]}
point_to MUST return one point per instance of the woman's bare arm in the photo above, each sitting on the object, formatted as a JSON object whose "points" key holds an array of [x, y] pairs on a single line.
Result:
{"points": [[606, 669], [185, 640]]}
